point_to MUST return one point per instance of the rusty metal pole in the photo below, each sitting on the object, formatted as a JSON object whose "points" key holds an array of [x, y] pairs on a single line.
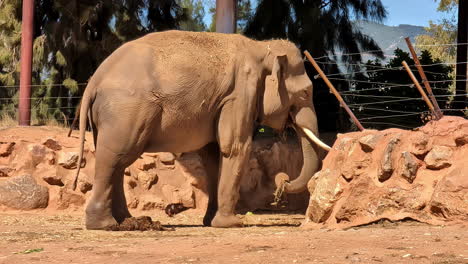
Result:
{"points": [[438, 113], [24, 107], [226, 16], [334, 91], [420, 89]]}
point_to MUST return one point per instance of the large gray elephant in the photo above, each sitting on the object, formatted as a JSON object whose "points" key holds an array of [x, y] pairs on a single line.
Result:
{"points": [[180, 91]]}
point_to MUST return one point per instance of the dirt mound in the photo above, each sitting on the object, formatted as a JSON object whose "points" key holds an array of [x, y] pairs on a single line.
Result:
{"points": [[156, 181], [142, 223], [393, 174]]}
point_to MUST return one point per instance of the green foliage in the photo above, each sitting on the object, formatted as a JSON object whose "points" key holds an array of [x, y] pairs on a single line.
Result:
{"points": [[394, 87], [445, 32], [71, 40], [194, 11], [447, 5]]}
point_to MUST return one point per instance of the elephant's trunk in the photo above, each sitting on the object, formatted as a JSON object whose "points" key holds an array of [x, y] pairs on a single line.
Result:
{"points": [[305, 123], [310, 166]]}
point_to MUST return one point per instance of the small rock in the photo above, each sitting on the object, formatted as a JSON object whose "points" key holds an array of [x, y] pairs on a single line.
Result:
{"points": [[84, 183], [6, 148], [166, 158], [52, 144], [438, 158], [38, 153], [67, 198], [461, 140], [146, 163], [23, 192], [369, 142], [420, 144], [53, 179], [68, 160], [133, 203], [386, 164], [327, 191], [147, 179], [6, 171], [410, 166]]}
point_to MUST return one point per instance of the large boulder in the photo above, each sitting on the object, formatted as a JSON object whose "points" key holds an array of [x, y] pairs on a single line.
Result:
{"points": [[395, 174], [23, 192]]}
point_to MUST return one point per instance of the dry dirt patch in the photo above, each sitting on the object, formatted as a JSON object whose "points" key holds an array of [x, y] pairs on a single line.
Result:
{"points": [[60, 238]]}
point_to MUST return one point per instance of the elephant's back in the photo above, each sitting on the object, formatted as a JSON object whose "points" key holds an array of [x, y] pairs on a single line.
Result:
{"points": [[207, 51]]}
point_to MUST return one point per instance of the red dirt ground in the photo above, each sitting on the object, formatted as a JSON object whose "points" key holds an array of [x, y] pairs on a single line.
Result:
{"points": [[43, 237]]}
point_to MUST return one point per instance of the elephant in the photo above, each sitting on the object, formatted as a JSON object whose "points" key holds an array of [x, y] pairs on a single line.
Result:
{"points": [[177, 91]]}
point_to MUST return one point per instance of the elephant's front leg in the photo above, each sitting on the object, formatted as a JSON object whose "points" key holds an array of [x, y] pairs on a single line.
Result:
{"points": [[235, 140], [232, 168]]}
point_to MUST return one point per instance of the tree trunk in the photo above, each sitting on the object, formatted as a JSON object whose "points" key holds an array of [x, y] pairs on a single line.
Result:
{"points": [[226, 16]]}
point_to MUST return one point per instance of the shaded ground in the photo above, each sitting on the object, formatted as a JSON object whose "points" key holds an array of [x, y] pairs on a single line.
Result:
{"points": [[60, 238]]}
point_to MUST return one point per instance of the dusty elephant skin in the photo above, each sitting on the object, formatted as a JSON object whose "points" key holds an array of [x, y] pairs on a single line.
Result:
{"points": [[179, 91], [419, 174]]}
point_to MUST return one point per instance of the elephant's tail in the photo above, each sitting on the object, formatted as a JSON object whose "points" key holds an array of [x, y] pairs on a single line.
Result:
{"points": [[85, 105]]}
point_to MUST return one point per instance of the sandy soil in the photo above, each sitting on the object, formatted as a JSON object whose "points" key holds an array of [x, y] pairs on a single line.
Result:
{"points": [[42, 237]]}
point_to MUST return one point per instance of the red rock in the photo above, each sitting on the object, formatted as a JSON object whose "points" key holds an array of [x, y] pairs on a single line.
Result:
{"points": [[6, 148], [52, 144], [369, 142], [68, 160], [5, 171], [327, 191], [428, 193], [166, 158], [386, 164], [438, 158], [410, 165], [147, 179], [67, 198]]}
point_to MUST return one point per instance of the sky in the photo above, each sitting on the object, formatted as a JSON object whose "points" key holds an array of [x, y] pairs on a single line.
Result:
{"points": [[413, 12]]}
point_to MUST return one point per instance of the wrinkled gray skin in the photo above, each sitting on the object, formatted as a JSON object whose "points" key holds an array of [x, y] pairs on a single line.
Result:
{"points": [[184, 91]]}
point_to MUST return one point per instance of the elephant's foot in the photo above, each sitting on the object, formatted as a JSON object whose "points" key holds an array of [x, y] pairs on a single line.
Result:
{"points": [[121, 214], [94, 222], [226, 221], [98, 218], [209, 215]]}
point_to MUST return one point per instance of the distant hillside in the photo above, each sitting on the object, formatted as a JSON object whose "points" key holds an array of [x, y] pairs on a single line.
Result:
{"points": [[389, 38]]}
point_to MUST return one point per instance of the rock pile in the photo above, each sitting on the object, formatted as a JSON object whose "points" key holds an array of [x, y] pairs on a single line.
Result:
{"points": [[37, 165], [393, 174]]}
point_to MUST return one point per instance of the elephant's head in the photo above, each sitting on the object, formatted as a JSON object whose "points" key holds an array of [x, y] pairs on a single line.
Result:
{"points": [[287, 100]]}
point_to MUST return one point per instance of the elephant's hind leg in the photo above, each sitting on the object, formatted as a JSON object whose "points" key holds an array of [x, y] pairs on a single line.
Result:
{"points": [[210, 157], [99, 209], [119, 203]]}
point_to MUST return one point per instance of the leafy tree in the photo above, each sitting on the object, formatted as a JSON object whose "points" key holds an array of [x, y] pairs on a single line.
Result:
{"points": [[444, 31], [10, 39], [194, 12], [384, 96], [71, 39]]}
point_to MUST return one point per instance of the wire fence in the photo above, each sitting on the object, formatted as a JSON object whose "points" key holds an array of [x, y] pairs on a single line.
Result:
{"points": [[372, 101]]}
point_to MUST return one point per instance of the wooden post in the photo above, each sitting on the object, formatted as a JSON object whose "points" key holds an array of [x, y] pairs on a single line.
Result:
{"points": [[24, 107], [334, 91], [438, 113], [420, 89]]}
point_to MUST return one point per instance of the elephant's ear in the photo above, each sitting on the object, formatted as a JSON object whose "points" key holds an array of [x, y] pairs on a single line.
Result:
{"points": [[275, 90]]}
